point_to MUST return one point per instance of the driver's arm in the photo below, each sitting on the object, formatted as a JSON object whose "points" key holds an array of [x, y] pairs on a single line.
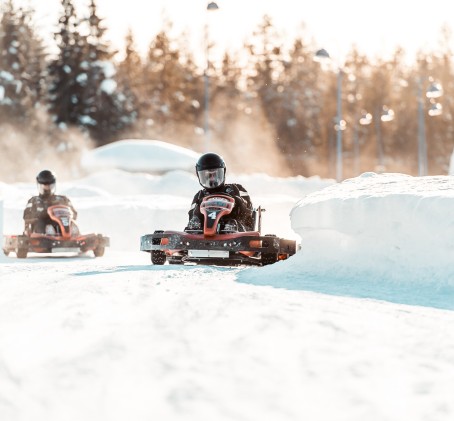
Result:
{"points": [[73, 210], [34, 210], [28, 211], [63, 200], [243, 198], [195, 207]]}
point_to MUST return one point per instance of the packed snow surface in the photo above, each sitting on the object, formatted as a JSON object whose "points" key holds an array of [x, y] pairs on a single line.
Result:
{"points": [[358, 325]]}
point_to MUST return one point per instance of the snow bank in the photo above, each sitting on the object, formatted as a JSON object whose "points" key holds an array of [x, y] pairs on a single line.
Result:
{"points": [[139, 155], [388, 236], [402, 226]]}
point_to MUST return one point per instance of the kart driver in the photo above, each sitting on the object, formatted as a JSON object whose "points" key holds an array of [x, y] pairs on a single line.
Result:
{"points": [[35, 214], [211, 169]]}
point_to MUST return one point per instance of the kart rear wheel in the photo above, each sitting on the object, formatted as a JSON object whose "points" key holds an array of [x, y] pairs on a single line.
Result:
{"points": [[269, 258], [6, 252], [158, 257], [21, 253]]}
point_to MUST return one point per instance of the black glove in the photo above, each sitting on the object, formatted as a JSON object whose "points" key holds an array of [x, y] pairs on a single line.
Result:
{"points": [[241, 204]]}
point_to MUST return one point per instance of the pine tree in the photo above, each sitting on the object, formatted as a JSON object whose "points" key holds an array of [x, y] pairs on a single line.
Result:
{"points": [[230, 75], [130, 68], [21, 65], [268, 80], [300, 109], [106, 111], [129, 74], [68, 71], [172, 90], [84, 92]]}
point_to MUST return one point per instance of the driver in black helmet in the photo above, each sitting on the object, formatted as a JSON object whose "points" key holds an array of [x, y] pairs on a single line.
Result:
{"points": [[211, 170], [35, 214]]}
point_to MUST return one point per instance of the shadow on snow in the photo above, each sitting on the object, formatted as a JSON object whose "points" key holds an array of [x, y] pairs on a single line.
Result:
{"points": [[433, 293]]}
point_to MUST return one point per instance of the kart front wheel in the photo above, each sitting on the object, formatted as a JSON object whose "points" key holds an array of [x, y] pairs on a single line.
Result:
{"points": [[158, 257], [21, 253], [99, 251]]}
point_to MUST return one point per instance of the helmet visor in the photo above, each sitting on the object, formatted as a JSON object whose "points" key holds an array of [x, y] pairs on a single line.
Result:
{"points": [[211, 178], [46, 189]]}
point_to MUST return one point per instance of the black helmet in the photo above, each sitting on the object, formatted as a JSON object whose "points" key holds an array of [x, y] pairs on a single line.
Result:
{"points": [[46, 177], [46, 183], [210, 170]]}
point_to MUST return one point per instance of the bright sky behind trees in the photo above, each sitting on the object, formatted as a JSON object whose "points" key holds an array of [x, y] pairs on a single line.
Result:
{"points": [[376, 28]]}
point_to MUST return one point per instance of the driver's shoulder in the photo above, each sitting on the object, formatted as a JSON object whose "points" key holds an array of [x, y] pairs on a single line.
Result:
{"points": [[59, 199], [238, 189], [35, 200], [231, 188]]}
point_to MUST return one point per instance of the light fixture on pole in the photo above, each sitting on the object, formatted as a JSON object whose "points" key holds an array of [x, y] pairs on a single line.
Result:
{"points": [[384, 115], [323, 56], [434, 90], [212, 6], [364, 120]]}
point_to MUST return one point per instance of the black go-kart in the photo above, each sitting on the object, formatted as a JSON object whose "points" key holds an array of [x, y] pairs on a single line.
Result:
{"points": [[216, 245]]}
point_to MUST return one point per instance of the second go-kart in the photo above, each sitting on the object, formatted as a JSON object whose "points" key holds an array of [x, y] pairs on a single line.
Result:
{"points": [[61, 236]]}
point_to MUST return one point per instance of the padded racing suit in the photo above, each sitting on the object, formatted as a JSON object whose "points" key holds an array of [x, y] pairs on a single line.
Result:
{"points": [[35, 214], [241, 213]]}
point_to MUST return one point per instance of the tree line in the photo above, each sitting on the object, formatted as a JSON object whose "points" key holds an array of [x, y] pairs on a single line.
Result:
{"points": [[82, 85]]}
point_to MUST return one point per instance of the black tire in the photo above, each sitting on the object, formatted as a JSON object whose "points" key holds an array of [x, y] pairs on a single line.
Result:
{"points": [[99, 251], [21, 253], [269, 258], [158, 257], [5, 252]]}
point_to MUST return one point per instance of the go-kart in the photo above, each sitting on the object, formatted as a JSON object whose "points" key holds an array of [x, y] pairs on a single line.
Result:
{"points": [[214, 243], [61, 236]]}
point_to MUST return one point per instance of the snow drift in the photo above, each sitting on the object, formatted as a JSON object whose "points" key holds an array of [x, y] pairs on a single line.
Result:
{"points": [[388, 236], [139, 155]]}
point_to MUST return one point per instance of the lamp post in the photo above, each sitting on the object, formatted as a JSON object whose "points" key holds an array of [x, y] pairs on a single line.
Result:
{"points": [[364, 120], [385, 115], [210, 7], [340, 125], [434, 91]]}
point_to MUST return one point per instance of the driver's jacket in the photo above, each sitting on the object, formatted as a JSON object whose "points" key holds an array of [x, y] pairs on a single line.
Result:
{"points": [[242, 211], [37, 207]]}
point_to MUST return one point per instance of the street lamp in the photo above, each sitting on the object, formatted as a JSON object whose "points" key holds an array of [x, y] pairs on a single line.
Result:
{"points": [[212, 6], [364, 120], [340, 125], [435, 90], [386, 114]]}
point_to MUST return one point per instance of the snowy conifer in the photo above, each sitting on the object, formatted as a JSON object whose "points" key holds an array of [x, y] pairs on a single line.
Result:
{"points": [[21, 64]]}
